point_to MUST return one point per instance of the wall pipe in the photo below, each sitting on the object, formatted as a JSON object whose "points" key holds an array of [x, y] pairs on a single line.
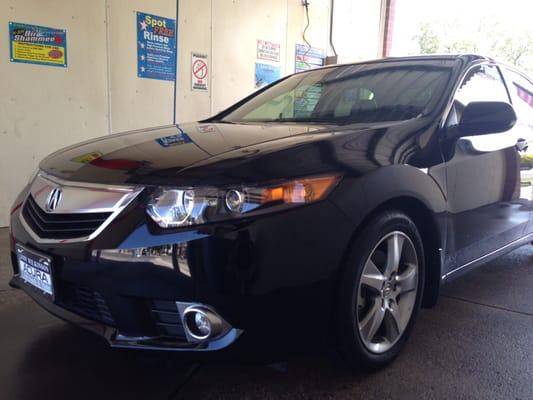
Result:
{"points": [[331, 13]]}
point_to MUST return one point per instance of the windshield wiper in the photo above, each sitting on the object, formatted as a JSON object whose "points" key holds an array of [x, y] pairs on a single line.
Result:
{"points": [[295, 120]]}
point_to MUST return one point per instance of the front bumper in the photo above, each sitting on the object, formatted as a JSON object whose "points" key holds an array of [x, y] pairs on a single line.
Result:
{"points": [[272, 278], [112, 334]]}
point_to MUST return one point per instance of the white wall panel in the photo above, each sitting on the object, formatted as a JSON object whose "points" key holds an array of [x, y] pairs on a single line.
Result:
{"points": [[238, 24], [135, 102], [43, 108], [194, 34], [356, 31]]}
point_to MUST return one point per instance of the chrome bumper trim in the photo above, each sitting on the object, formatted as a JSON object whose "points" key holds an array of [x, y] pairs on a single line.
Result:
{"points": [[155, 343], [495, 253]]}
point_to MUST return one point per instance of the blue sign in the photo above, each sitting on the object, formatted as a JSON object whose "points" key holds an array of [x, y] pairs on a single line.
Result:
{"points": [[156, 47], [266, 74], [35, 44]]}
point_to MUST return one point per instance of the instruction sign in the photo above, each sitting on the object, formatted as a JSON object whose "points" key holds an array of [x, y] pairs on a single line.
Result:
{"points": [[199, 72], [35, 44], [268, 51], [308, 58], [156, 47]]}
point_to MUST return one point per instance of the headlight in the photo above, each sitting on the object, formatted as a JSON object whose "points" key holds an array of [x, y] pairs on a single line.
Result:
{"points": [[177, 207]]}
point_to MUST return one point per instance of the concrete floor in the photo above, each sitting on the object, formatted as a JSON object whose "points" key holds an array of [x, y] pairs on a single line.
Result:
{"points": [[476, 344]]}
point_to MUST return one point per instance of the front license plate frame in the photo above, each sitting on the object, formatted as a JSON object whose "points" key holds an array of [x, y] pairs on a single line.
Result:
{"points": [[35, 270]]}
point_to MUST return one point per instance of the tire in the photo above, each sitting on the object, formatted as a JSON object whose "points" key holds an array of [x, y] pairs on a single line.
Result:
{"points": [[369, 295]]}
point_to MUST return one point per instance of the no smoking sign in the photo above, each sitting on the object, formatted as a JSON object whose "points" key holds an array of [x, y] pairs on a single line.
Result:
{"points": [[199, 69], [199, 72]]}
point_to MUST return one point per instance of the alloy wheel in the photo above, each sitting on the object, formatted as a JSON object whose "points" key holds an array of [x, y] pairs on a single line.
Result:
{"points": [[387, 292]]}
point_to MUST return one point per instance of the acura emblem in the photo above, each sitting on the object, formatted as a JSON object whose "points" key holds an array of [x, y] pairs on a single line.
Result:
{"points": [[54, 198]]}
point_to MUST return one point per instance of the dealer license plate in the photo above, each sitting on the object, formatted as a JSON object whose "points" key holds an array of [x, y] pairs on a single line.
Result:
{"points": [[35, 270]]}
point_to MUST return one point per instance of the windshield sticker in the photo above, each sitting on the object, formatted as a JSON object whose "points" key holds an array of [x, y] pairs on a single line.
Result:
{"points": [[34, 44]]}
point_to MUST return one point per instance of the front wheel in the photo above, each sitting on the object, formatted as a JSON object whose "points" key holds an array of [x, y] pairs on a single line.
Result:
{"points": [[381, 291]]}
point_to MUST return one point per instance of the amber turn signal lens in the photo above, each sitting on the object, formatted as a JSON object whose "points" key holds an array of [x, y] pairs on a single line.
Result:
{"points": [[304, 190]]}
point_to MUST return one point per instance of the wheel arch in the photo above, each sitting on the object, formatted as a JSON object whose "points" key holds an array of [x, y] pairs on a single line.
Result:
{"points": [[425, 220], [412, 191]]}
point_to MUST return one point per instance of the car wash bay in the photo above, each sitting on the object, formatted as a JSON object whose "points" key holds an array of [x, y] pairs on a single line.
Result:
{"points": [[477, 343]]}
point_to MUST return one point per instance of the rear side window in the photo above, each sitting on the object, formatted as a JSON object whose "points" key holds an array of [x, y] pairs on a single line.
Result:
{"points": [[522, 96]]}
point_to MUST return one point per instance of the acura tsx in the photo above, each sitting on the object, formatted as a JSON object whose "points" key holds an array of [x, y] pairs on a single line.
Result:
{"points": [[330, 205]]}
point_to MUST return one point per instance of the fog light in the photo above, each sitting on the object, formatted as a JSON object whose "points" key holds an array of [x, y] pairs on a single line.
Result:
{"points": [[202, 323]]}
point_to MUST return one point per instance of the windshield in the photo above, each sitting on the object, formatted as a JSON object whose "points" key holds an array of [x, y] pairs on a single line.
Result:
{"points": [[375, 92]]}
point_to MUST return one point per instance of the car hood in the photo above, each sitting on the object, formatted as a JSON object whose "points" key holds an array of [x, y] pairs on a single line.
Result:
{"points": [[205, 152]]}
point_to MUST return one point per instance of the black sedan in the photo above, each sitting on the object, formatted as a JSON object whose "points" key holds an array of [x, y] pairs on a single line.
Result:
{"points": [[326, 208]]}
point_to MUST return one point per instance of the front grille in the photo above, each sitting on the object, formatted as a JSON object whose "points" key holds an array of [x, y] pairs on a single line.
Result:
{"points": [[168, 320], [61, 226], [87, 303]]}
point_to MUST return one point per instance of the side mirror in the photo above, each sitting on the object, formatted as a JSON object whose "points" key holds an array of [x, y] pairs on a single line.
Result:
{"points": [[484, 117]]}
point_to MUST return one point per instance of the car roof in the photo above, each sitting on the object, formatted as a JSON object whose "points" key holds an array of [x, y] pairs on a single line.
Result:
{"points": [[465, 58]]}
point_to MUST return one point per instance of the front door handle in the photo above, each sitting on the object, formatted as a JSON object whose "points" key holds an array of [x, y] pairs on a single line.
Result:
{"points": [[522, 145]]}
